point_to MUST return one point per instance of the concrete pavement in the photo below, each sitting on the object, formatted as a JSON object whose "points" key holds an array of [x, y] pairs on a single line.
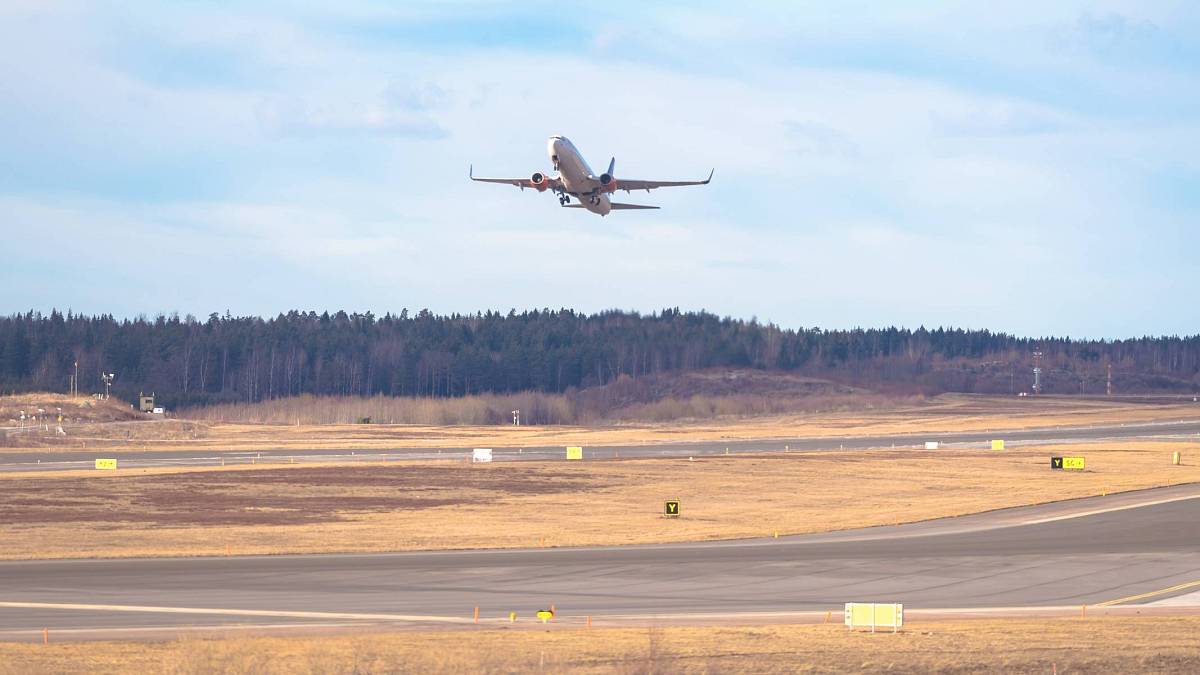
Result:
{"points": [[1085, 551]]}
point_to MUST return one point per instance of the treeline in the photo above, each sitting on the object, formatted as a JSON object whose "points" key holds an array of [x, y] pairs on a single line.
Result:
{"points": [[227, 359]]}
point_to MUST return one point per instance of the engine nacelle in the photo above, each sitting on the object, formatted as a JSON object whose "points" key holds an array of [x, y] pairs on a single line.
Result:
{"points": [[539, 181], [608, 183]]}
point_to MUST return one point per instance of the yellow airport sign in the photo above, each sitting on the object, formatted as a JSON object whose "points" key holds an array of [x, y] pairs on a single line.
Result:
{"points": [[874, 615], [574, 452], [671, 508], [997, 445], [1073, 463], [545, 615], [109, 464]]}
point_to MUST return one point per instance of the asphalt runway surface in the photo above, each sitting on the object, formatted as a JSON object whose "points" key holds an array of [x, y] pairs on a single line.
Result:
{"points": [[59, 460], [1128, 548]]}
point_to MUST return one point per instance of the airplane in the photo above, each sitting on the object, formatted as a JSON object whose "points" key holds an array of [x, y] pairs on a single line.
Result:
{"points": [[576, 179]]}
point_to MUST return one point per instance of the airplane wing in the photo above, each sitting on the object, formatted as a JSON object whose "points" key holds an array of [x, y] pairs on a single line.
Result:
{"points": [[628, 184], [550, 181]]}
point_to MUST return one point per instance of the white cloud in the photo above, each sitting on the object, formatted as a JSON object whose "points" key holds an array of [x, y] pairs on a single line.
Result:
{"points": [[843, 195]]}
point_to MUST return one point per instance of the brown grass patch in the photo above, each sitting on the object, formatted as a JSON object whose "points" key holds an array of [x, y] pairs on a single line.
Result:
{"points": [[414, 506], [1108, 645], [947, 413]]}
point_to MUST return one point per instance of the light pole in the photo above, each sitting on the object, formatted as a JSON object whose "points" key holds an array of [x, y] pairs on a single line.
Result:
{"points": [[516, 418], [108, 378]]}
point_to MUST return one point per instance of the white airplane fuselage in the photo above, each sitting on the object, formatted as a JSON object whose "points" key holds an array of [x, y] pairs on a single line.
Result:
{"points": [[577, 177]]}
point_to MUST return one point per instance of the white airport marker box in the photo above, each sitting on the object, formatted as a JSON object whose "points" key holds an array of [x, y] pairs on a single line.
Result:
{"points": [[931, 445], [481, 455]]}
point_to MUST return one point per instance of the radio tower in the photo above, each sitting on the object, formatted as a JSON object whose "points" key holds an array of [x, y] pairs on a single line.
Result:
{"points": [[1037, 373], [1108, 387]]}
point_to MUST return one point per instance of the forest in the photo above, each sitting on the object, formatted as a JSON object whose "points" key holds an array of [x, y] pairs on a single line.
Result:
{"points": [[229, 359]]}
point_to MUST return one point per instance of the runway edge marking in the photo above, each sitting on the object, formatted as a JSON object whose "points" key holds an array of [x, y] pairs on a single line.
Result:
{"points": [[291, 614], [1096, 512]]}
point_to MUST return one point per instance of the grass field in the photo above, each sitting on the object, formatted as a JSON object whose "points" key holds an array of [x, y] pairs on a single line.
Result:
{"points": [[374, 506], [1099, 645], [947, 413]]}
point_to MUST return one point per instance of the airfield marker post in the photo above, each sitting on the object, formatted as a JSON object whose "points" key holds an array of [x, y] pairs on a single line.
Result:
{"points": [[476, 614], [45, 636]]}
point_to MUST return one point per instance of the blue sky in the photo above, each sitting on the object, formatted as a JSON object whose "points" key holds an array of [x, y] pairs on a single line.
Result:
{"points": [[1032, 169]]}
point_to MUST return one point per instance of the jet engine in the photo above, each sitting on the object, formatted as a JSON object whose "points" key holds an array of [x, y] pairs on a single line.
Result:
{"points": [[539, 181], [608, 183]]}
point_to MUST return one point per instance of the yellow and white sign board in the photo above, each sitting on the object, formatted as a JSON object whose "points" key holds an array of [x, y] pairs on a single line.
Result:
{"points": [[481, 455], [1075, 463], [875, 615], [997, 445], [574, 452], [109, 464]]}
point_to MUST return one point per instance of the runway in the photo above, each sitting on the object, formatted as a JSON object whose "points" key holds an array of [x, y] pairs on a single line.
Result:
{"points": [[1090, 551], [60, 460]]}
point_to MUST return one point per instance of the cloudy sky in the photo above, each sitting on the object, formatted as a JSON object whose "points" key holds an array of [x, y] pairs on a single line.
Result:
{"points": [[1034, 169]]}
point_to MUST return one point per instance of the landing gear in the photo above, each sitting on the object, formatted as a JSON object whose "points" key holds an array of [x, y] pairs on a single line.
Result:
{"points": [[594, 200], [563, 200]]}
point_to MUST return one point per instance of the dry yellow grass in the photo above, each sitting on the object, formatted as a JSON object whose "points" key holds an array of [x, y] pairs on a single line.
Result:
{"points": [[1102, 645], [412, 506], [946, 413]]}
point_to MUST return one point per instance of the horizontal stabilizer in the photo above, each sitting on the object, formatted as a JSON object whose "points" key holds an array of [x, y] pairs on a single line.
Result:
{"points": [[615, 206]]}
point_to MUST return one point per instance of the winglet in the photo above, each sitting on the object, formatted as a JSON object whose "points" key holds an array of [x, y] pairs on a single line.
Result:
{"points": [[710, 175], [612, 165], [471, 172]]}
